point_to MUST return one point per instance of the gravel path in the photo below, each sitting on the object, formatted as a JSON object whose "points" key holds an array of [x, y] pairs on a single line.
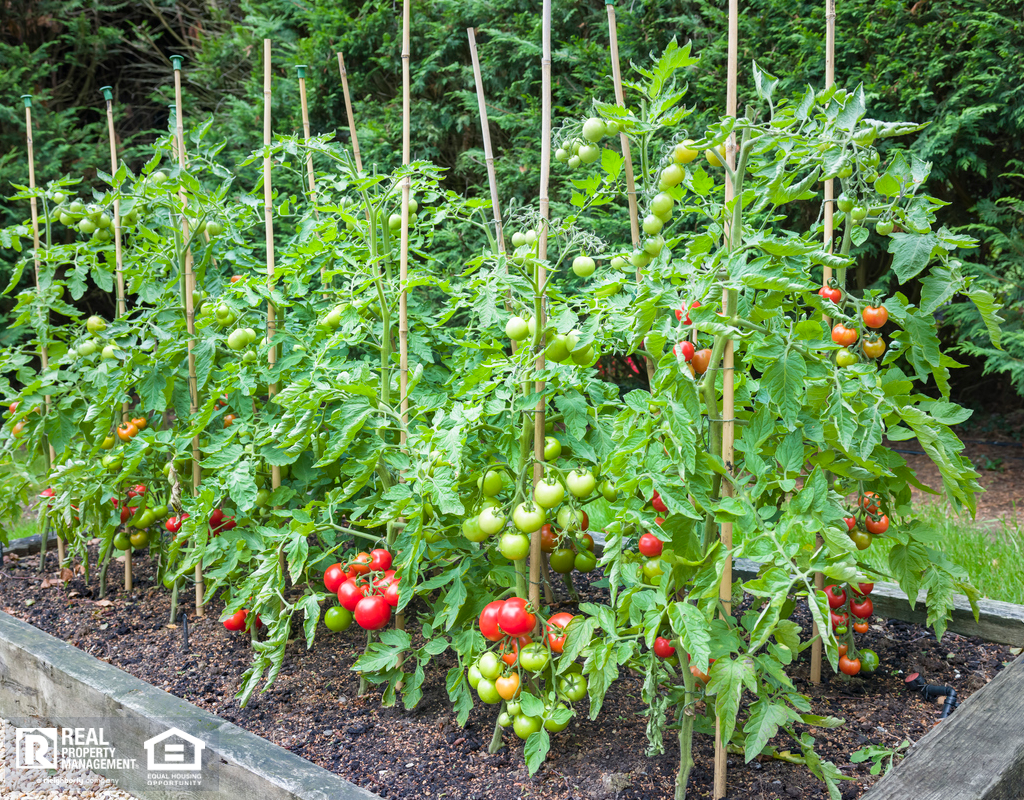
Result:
{"points": [[40, 784]]}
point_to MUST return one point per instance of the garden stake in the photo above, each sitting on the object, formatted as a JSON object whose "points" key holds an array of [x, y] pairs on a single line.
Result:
{"points": [[348, 111], [830, 79], [728, 410], [403, 263], [310, 174], [43, 353], [536, 555], [492, 179], [119, 273], [190, 311], [268, 219]]}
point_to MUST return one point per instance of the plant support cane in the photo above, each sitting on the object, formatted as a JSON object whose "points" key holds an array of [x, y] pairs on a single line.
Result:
{"points": [[349, 114], [43, 350], [536, 554], [830, 79], [190, 311], [108, 97], [728, 410], [310, 174]]}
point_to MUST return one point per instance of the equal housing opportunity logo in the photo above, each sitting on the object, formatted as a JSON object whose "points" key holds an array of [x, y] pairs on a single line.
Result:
{"points": [[172, 759]]}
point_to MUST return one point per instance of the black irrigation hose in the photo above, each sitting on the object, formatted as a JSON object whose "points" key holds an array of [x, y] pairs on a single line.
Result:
{"points": [[931, 691]]}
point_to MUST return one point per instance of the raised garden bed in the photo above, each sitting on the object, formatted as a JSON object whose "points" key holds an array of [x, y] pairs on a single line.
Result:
{"points": [[313, 709]]}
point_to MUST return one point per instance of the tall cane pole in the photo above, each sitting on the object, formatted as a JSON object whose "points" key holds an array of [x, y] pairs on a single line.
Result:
{"points": [[108, 98], [310, 174], [728, 402], [830, 79], [348, 112], [536, 555], [190, 311], [44, 357], [492, 179]]}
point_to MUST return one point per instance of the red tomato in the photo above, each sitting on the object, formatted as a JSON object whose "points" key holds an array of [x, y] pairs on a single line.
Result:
{"points": [[236, 622], [875, 316], [514, 619], [216, 518], [836, 596], [849, 666], [559, 621], [489, 621], [361, 563], [831, 293], [372, 613], [843, 335], [334, 576], [127, 514], [701, 361], [650, 545], [862, 608], [391, 595], [851, 523], [684, 350], [349, 594], [880, 525], [548, 539], [843, 648], [658, 503], [839, 620], [137, 491], [861, 627], [869, 502], [865, 588], [663, 648], [380, 560]]}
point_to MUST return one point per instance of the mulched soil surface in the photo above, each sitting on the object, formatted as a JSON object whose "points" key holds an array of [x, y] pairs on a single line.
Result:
{"points": [[314, 709]]}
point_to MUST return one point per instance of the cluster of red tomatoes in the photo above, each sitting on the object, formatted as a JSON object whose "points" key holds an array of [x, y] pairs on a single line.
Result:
{"points": [[855, 604], [872, 346], [872, 520], [238, 620], [666, 651], [498, 675], [367, 590], [565, 552], [699, 360]]}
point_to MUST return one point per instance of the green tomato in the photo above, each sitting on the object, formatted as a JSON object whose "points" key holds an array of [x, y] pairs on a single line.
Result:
{"points": [[883, 228], [474, 676], [492, 483], [562, 561], [609, 490], [471, 529], [858, 213], [844, 203], [488, 692], [573, 162], [661, 206], [87, 226], [583, 266], [524, 725], [489, 665], [584, 356], [122, 541], [572, 686], [534, 657], [250, 357], [549, 722], [214, 228], [505, 719], [569, 519], [512, 707], [845, 358], [652, 224], [589, 153], [139, 539], [640, 259], [654, 245], [491, 521], [528, 518], [552, 448], [109, 353], [548, 493], [514, 546], [338, 619], [868, 660], [585, 561], [653, 570], [517, 329], [671, 176], [238, 340], [581, 483], [594, 129], [87, 348], [558, 348]]}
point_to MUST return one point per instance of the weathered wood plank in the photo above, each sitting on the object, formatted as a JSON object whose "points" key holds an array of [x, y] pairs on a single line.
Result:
{"points": [[976, 754]]}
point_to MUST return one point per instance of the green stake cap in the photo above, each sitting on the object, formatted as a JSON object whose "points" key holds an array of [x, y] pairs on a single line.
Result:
{"points": [[176, 62], [301, 69], [27, 100], [108, 94], [609, 2]]}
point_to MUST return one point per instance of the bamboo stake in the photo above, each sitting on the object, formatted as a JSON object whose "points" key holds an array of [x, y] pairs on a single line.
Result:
{"points": [[119, 273], [190, 311], [348, 111], [44, 359], [310, 174], [492, 178], [728, 405], [536, 555], [268, 218], [830, 79]]}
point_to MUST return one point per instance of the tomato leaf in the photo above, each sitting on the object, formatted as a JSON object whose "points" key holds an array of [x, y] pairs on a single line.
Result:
{"points": [[536, 749]]}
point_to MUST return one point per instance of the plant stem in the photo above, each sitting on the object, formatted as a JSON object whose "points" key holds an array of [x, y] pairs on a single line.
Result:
{"points": [[496, 742], [108, 547], [686, 762]]}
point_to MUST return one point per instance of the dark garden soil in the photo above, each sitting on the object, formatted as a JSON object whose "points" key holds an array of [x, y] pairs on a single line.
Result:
{"points": [[313, 708]]}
